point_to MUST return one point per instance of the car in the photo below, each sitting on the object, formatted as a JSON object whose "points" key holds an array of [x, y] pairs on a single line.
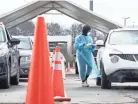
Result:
{"points": [[117, 59], [9, 59], [25, 49]]}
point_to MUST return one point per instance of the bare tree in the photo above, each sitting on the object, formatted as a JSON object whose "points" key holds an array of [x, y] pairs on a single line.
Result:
{"points": [[25, 29], [67, 32], [54, 29], [75, 30]]}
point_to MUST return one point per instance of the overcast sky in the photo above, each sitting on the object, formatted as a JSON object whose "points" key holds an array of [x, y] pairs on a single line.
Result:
{"points": [[114, 10]]}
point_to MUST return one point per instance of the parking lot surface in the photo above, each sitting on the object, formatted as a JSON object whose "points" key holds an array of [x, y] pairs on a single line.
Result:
{"points": [[126, 93]]}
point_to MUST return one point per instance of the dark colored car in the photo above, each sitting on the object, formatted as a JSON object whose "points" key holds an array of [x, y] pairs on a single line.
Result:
{"points": [[25, 48], [9, 59]]}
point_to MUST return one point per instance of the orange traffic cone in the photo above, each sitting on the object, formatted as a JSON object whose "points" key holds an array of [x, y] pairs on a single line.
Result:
{"points": [[58, 85], [57, 75], [40, 86]]}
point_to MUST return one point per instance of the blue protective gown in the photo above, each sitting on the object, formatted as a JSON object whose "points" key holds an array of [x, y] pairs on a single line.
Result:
{"points": [[84, 56]]}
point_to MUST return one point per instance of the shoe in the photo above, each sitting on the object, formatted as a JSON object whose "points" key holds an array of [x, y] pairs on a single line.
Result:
{"points": [[85, 84]]}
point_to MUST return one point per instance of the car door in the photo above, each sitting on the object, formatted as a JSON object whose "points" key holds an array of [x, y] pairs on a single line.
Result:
{"points": [[13, 54]]}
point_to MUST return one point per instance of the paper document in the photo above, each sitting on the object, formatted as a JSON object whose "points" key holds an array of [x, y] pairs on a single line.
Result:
{"points": [[89, 45]]}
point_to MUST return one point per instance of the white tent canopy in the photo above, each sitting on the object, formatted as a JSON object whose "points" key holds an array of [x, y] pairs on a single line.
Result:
{"points": [[68, 8]]}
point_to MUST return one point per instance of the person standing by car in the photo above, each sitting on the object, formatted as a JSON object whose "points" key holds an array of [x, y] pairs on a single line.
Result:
{"points": [[84, 46]]}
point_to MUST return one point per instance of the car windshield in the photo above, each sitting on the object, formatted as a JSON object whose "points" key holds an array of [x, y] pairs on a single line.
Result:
{"points": [[2, 35], [25, 44], [125, 37]]}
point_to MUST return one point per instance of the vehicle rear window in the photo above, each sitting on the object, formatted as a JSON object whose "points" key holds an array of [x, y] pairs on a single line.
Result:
{"points": [[25, 44]]}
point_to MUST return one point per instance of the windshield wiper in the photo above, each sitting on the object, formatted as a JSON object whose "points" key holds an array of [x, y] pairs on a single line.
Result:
{"points": [[21, 48]]}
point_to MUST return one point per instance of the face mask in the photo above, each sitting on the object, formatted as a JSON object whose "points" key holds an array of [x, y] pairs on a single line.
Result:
{"points": [[89, 33]]}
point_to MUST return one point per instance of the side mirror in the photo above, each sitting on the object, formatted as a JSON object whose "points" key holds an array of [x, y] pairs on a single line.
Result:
{"points": [[15, 41], [100, 43]]}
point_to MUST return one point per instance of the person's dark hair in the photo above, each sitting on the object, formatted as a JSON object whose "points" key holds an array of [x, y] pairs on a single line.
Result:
{"points": [[86, 29]]}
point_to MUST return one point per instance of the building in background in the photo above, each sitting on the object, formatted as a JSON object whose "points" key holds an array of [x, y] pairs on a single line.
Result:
{"points": [[65, 43]]}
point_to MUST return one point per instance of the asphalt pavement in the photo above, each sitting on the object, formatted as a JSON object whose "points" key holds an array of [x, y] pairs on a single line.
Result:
{"points": [[126, 93]]}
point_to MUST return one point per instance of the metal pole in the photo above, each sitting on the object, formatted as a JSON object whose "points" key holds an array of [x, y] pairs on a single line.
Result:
{"points": [[91, 5], [125, 18]]}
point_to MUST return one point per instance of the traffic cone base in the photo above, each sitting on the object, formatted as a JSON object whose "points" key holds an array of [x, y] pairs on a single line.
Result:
{"points": [[61, 99]]}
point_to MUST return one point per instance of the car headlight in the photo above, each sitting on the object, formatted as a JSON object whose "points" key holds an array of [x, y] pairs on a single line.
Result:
{"points": [[25, 58], [113, 55], [114, 59]]}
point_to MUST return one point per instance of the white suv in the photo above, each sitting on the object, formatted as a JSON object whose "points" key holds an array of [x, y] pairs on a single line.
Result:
{"points": [[117, 60]]}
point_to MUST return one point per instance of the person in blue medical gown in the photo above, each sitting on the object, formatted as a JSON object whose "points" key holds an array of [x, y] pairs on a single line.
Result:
{"points": [[84, 46]]}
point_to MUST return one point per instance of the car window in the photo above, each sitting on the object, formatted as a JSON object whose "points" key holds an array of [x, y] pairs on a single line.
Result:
{"points": [[2, 35], [125, 37], [25, 44]]}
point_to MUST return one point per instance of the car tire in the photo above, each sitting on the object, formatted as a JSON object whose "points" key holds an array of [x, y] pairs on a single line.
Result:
{"points": [[98, 81], [15, 79], [6, 81], [105, 83]]}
